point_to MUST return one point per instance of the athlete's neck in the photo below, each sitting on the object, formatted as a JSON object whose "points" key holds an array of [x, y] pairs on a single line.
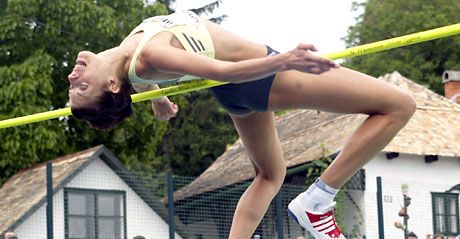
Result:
{"points": [[118, 58]]}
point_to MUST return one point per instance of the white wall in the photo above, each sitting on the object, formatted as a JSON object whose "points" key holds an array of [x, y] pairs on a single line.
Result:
{"points": [[422, 179], [141, 219]]}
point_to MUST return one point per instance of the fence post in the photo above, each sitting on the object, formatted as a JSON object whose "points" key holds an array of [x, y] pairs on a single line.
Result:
{"points": [[170, 184], [49, 200], [279, 215], [380, 208]]}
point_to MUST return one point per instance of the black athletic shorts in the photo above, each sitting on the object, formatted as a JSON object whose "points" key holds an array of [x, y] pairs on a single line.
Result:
{"points": [[242, 98]]}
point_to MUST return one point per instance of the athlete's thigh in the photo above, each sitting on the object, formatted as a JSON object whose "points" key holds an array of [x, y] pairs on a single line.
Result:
{"points": [[338, 90], [258, 133]]}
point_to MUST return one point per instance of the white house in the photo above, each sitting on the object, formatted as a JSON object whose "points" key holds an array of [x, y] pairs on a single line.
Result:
{"points": [[93, 195], [425, 156]]}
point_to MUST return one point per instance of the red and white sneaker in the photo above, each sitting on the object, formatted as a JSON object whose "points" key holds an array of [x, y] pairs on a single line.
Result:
{"points": [[321, 224]]}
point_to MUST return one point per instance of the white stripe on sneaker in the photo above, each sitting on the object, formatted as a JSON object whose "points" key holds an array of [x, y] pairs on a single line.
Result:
{"points": [[329, 229], [325, 226], [314, 224]]}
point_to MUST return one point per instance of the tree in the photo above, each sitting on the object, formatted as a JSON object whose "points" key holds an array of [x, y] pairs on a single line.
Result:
{"points": [[197, 136], [39, 41], [21, 93], [210, 8], [204, 9], [423, 62]]}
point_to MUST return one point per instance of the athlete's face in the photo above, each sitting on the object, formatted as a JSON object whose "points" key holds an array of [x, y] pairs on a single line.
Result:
{"points": [[88, 79]]}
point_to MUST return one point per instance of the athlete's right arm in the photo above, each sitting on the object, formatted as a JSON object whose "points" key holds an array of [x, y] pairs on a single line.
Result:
{"points": [[162, 107], [169, 59], [148, 87]]}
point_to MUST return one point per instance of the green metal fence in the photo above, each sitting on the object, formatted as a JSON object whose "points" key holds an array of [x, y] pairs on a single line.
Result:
{"points": [[129, 204]]}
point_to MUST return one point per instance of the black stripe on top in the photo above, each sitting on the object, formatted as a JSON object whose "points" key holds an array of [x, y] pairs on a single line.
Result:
{"points": [[201, 44], [197, 46], [189, 42]]}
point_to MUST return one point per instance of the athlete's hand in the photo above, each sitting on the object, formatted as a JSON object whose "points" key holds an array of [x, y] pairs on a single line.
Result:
{"points": [[164, 109], [302, 59]]}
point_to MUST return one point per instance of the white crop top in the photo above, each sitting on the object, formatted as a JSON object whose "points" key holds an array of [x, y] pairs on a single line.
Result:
{"points": [[186, 26]]}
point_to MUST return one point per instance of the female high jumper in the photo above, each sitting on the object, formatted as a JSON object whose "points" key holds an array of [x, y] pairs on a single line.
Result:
{"points": [[181, 46]]}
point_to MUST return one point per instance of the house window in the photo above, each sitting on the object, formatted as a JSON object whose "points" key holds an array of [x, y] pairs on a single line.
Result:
{"points": [[445, 213], [98, 214]]}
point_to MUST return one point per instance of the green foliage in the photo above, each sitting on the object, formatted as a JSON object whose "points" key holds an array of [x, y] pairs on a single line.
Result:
{"points": [[39, 41], [25, 89], [317, 167], [198, 135], [210, 8], [423, 62]]}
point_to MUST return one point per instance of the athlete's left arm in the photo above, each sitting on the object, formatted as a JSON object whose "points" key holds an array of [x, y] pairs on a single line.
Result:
{"points": [[170, 59]]}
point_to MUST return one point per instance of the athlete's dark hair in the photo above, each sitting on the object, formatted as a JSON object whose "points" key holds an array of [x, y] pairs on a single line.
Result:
{"points": [[109, 109]]}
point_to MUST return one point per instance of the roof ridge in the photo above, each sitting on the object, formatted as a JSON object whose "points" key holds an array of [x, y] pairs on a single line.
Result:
{"points": [[444, 109], [397, 77]]}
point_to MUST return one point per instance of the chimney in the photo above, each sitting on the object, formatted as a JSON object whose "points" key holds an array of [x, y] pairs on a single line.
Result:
{"points": [[451, 82]]}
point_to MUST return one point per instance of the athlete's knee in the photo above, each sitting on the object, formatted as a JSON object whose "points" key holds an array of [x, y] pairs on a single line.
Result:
{"points": [[274, 177], [406, 106]]}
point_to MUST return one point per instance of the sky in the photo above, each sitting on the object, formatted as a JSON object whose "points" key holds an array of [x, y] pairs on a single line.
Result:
{"points": [[285, 24]]}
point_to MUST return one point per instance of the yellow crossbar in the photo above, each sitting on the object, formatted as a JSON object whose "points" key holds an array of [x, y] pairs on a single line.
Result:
{"points": [[410, 39]]}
